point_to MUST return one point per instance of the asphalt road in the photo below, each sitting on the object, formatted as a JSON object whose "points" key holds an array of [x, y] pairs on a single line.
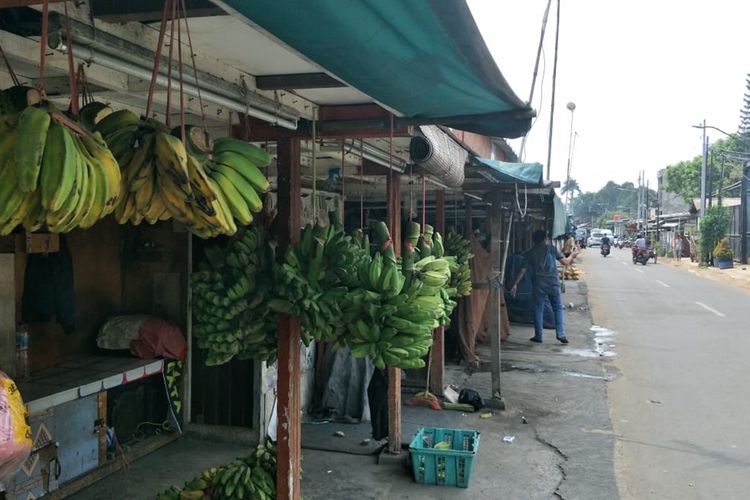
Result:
{"points": [[680, 404]]}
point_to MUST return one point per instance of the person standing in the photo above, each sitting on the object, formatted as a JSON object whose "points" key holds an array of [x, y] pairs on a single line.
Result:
{"points": [[678, 247], [546, 283]]}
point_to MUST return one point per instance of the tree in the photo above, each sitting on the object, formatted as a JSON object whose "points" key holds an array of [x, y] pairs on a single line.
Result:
{"points": [[714, 225], [684, 178], [571, 185], [744, 128]]}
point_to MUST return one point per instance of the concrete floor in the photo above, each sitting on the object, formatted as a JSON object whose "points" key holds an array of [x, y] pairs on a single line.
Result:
{"points": [[564, 450]]}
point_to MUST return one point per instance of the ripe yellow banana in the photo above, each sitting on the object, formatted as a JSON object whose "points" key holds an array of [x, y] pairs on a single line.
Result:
{"points": [[99, 151], [171, 158]]}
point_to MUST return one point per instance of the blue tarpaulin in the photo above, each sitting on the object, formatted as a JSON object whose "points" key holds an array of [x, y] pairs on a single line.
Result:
{"points": [[422, 58], [515, 173]]}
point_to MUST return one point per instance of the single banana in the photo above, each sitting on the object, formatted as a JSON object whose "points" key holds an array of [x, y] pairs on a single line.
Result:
{"points": [[31, 137]]}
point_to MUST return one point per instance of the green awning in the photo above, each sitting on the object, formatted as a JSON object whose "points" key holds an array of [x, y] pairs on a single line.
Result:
{"points": [[560, 222], [515, 173], [424, 59]]}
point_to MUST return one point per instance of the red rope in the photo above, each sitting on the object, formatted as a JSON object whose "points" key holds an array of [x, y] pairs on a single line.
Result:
{"points": [[424, 202], [43, 46], [169, 62], [16, 81], [195, 69], [71, 66], [182, 94], [343, 182], [157, 59], [361, 183]]}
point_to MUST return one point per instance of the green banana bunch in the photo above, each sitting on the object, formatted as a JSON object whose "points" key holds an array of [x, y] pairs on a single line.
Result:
{"points": [[251, 477], [52, 175], [312, 281], [230, 292], [459, 247]]}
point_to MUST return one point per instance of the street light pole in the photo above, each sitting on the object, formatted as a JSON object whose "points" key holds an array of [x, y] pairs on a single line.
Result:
{"points": [[571, 107]]}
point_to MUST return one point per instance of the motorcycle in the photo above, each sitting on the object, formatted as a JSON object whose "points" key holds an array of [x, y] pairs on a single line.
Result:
{"points": [[641, 255], [605, 249]]}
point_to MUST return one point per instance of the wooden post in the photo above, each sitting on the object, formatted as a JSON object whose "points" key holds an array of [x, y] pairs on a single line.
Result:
{"points": [[437, 353], [468, 219], [289, 444], [393, 188], [496, 288], [8, 313]]}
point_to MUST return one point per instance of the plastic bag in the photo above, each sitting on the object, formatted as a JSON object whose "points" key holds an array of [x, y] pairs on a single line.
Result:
{"points": [[471, 397], [15, 432], [146, 336]]}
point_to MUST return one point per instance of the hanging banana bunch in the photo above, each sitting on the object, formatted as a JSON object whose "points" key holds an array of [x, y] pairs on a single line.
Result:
{"points": [[231, 316], [459, 247], [52, 172], [204, 184]]}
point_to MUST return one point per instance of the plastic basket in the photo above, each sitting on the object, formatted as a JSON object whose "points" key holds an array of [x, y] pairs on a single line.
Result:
{"points": [[449, 467]]}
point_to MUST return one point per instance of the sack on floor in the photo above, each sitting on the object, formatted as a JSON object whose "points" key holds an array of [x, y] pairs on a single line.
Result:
{"points": [[15, 432]]}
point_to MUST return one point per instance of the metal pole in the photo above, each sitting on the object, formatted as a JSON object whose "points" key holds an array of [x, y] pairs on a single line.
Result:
{"points": [[703, 174], [554, 83], [743, 211], [572, 107]]}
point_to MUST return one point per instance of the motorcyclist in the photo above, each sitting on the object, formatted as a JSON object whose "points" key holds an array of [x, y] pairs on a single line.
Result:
{"points": [[606, 244], [641, 245]]}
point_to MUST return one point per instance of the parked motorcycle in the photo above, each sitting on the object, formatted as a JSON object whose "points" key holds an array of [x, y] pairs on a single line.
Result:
{"points": [[641, 255], [605, 249]]}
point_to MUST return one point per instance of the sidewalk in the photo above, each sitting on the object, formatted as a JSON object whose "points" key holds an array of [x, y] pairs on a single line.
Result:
{"points": [[737, 276], [556, 412]]}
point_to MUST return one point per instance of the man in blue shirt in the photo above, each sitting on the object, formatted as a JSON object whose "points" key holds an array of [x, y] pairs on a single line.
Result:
{"points": [[546, 282]]}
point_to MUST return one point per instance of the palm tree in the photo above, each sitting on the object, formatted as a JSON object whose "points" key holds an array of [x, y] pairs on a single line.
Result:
{"points": [[571, 185]]}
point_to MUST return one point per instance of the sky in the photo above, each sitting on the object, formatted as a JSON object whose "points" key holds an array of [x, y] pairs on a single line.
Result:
{"points": [[640, 73]]}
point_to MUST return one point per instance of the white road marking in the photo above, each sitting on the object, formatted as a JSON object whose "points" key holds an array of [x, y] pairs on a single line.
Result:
{"points": [[662, 284], [711, 309], [639, 270], [624, 263]]}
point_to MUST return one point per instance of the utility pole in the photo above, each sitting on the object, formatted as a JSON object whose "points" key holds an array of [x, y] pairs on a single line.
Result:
{"points": [[703, 174], [638, 209]]}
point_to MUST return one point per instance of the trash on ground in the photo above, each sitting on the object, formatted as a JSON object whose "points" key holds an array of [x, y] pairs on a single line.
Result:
{"points": [[471, 397], [524, 421], [509, 439], [450, 392], [339, 434], [488, 414], [365, 441], [457, 407]]}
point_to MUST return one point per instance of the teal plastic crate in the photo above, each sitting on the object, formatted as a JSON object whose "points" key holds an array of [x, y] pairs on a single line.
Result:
{"points": [[449, 467]]}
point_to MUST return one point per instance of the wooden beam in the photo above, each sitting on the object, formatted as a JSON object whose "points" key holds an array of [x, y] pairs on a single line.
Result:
{"points": [[468, 219], [393, 216], [262, 131], [437, 353], [352, 112], [5, 4], [297, 81], [496, 240], [117, 11], [289, 444]]}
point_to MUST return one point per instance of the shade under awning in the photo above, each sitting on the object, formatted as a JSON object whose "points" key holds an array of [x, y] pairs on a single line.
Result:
{"points": [[522, 173], [424, 59]]}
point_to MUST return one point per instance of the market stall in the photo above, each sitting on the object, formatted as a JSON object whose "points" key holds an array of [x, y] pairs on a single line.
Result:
{"points": [[221, 167]]}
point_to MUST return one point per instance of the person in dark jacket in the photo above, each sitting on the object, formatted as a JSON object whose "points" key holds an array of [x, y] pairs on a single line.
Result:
{"points": [[546, 283]]}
